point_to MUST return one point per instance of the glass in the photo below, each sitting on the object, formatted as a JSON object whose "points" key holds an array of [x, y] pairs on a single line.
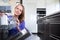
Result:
{"points": [[12, 22]]}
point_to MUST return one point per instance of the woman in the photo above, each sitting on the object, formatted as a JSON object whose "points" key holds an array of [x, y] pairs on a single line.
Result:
{"points": [[19, 16], [20, 24]]}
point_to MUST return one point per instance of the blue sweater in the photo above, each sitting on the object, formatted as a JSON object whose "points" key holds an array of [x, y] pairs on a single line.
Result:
{"points": [[14, 30]]}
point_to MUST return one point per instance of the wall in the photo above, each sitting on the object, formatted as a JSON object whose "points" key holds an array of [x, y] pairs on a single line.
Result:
{"points": [[41, 3], [52, 6]]}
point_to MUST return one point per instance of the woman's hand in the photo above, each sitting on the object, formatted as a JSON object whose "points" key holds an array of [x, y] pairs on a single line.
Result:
{"points": [[1, 14], [17, 25]]}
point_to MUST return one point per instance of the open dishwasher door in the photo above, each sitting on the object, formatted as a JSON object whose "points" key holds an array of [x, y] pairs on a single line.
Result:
{"points": [[20, 35]]}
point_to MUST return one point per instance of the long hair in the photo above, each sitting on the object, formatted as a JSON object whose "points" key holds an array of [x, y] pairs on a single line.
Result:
{"points": [[21, 16]]}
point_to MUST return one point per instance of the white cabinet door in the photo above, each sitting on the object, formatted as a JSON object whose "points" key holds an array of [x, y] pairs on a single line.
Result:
{"points": [[30, 15]]}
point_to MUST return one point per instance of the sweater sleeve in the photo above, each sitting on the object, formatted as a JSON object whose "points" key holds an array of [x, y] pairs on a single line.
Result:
{"points": [[22, 25]]}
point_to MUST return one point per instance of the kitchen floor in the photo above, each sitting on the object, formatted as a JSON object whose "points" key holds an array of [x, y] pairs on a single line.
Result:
{"points": [[33, 37]]}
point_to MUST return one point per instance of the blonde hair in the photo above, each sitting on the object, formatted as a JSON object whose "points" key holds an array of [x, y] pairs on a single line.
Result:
{"points": [[21, 16]]}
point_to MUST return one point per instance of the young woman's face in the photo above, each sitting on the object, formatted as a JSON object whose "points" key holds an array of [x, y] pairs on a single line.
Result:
{"points": [[18, 10]]}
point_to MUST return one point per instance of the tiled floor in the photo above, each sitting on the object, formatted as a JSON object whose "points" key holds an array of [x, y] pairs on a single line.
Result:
{"points": [[33, 37]]}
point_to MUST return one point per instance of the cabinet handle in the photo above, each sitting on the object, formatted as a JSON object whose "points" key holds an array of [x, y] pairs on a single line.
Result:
{"points": [[54, 37]]}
